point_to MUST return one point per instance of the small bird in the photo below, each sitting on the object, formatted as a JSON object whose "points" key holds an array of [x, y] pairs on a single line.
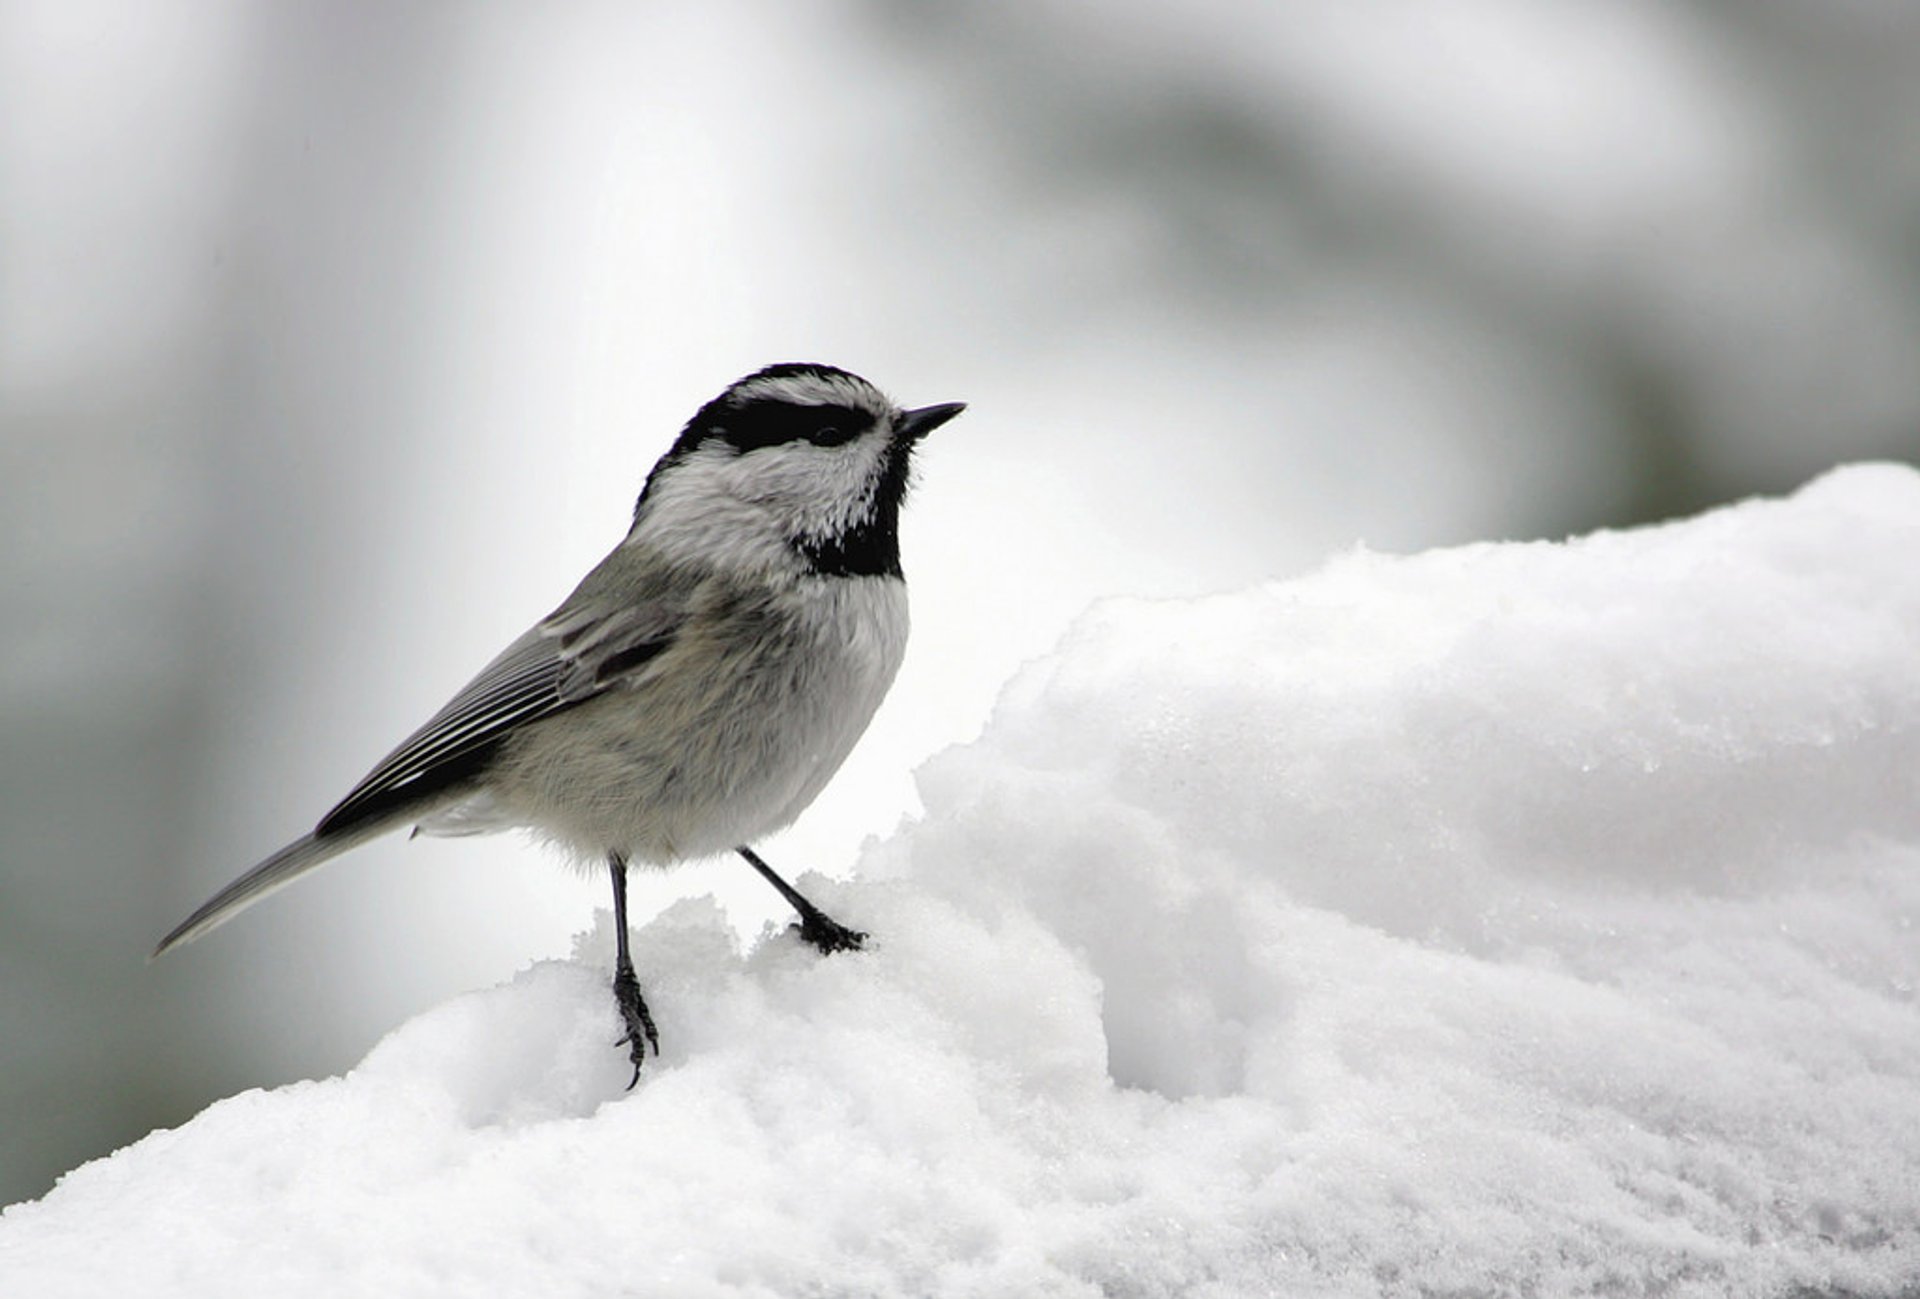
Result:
{"points": [[702, 684]]}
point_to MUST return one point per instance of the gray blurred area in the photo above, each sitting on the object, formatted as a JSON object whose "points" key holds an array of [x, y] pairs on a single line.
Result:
{"points": [[336, 337]]}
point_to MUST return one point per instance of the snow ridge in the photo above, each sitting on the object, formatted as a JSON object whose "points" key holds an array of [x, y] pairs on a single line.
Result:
{"points": [[1513, 919]]}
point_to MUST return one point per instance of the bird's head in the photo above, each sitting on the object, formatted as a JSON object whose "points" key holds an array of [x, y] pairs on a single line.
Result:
{"points": [[803, 461]]}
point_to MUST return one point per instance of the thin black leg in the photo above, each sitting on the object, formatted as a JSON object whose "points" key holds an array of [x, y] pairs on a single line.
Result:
{"points": [[816, 926], [626, 985]]}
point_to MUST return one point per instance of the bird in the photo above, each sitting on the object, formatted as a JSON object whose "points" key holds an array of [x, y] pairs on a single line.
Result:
{"points": [[702, 683]]}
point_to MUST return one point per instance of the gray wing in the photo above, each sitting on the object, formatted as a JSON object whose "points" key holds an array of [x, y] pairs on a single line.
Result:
{"points": [[585, 648], [618, 620], [589, 645]]}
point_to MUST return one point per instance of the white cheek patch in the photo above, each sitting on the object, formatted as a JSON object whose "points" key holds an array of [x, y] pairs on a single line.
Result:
{"points": [[732, 508], [818, 491]]}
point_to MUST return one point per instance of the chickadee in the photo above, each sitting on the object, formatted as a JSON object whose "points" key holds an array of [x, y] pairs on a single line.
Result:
{"points": [[699, 687]]}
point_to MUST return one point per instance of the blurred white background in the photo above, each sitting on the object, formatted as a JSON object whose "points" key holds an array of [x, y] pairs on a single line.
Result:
{"points": [[336, 337]]}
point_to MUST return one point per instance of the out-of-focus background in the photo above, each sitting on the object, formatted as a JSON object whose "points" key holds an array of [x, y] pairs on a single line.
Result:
{"points": [[336, 337]]}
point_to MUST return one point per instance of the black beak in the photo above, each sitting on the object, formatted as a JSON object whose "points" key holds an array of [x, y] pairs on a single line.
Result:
{"points": [[918, 423]]}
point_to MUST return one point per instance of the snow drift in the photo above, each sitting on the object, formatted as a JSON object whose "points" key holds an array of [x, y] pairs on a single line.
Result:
{"points": [[1515, 919]]}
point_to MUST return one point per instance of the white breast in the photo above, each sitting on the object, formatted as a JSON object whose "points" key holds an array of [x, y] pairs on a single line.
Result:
{"points": [[864, 638]]}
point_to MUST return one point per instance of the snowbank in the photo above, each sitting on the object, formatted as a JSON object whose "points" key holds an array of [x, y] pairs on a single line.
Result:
{"points": [[1517, 919]]}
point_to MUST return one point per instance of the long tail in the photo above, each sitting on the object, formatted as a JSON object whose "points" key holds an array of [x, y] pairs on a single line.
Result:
{"points": [[271, 875]]}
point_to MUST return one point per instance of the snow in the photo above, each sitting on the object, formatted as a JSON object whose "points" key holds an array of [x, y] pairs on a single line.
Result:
{"points": [[1512, 919]]}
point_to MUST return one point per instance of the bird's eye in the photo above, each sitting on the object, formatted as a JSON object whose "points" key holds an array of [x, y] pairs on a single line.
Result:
{"points": [[831, 426]]}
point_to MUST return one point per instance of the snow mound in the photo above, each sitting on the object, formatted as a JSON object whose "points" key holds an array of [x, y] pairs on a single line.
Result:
{"points": [[1515, 919]]}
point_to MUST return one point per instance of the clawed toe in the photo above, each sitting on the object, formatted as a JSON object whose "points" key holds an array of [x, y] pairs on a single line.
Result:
{"points": [[641, 1034], [828, 935]]}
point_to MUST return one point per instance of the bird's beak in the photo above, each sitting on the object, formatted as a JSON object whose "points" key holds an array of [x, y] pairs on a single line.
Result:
{"points": [[918, 423]]}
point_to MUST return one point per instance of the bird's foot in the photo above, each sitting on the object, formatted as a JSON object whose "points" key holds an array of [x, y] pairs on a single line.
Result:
{"points": [[828, 935], [638, 1020]]}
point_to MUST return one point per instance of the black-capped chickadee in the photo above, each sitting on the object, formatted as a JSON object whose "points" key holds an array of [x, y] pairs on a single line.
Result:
{"points": [[703, 683]]}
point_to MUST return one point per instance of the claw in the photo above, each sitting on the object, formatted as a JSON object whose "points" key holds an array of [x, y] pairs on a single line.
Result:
{"points": [[828, 935], [638, 1019], [818, 928]]}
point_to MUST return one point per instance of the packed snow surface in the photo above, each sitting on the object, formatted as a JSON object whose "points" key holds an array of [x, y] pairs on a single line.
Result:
{"points": [[1517, 919]]}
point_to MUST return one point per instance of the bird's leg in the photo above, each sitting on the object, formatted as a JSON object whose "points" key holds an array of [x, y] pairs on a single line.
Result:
{"points": [[626, 985], [816, 926]]}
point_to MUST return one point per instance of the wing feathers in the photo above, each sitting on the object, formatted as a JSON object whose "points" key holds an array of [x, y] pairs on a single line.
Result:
{"points": [[571, 657], [511, 690], [622, 616]]}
